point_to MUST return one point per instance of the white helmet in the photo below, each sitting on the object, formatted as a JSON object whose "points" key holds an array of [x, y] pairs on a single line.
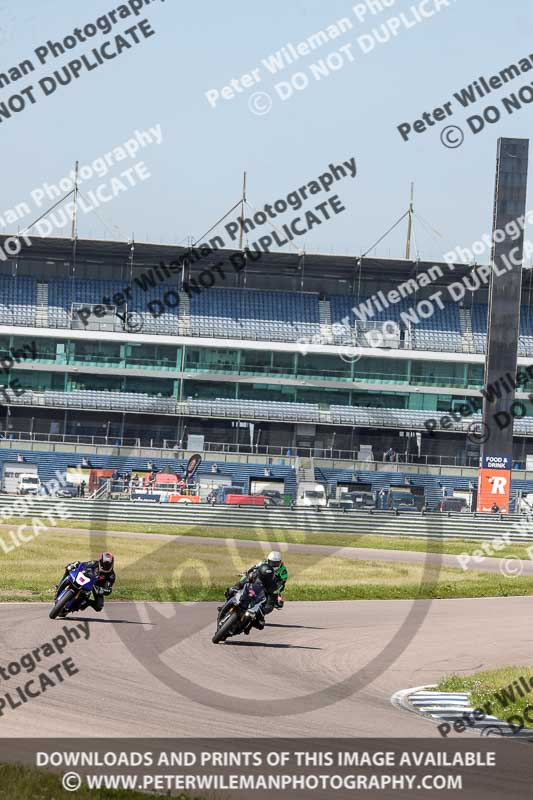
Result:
{"points": [[274, 559]]}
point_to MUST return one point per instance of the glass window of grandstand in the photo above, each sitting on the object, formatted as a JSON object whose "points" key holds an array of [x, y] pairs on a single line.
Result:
{"points": [[100, 383], [153, 356], [414, 401], [379, 400], [158, 387], [44, 349], [323, 397], [256, 362], [315, 365], [267, 362], [381, 370], [34, 380], [99, 354], [199, 359], [475, 376], [457, 403], [208, 390], [447, 403], [283, 363], [276, 392], [432, 373]]}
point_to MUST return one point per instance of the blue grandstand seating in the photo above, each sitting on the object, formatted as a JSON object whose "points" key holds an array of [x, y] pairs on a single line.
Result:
{"points": [[355, 416], [62, 293], [442, 331], [17, 300], [251, 314], [342, 307], [47, 464], [525, 342], [479, 316]]}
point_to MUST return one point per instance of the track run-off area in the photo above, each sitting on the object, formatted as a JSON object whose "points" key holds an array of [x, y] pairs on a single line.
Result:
{"points": [[325, 668], [309, 649]]}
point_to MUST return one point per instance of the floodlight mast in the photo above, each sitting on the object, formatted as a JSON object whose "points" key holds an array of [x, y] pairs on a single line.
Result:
{"points": [[501, 354]]}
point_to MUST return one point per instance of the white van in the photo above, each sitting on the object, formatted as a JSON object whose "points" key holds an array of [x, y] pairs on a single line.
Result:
{"points": [[28, 483], [309, 493]]}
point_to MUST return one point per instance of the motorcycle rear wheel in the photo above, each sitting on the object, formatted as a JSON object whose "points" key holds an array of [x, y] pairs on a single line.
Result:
{"points": [[224, 629], [61, 603]]}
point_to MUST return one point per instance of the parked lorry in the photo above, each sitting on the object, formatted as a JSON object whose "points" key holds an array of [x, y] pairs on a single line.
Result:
{"points": [[11, 473], [361, 499], [311, 494], [457, 504], [235, 495], [403, 501]]}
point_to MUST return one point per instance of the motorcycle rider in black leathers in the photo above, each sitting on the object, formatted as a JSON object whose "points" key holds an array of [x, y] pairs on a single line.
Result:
{"points": [[273, 574], [103, 567]]}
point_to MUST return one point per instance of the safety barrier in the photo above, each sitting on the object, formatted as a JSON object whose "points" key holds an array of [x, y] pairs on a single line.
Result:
{"points": [[324, 521]]}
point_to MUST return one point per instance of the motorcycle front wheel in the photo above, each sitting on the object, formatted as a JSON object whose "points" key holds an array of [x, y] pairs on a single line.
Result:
{"points": [[61, 603], [224, 629]]}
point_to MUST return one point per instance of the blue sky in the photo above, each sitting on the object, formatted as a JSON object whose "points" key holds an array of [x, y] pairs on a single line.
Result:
{"points": [[196, 172]]}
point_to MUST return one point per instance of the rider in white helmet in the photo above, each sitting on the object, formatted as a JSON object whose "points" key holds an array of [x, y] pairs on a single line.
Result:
{"points": [[273, 574]]}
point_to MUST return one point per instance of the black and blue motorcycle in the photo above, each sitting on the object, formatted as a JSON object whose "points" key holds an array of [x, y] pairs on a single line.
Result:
{"points": [[240, 611], [74, 589]]}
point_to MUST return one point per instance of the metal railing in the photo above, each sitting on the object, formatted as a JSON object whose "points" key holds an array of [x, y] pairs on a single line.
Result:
{"points": [[172, 447], [325, 521], [151, 327], [60, 438]]}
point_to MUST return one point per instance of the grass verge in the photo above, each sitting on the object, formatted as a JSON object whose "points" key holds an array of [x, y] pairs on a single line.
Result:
{"points": [[273, 535], [179, 571], [27, 783], [501, 688]]}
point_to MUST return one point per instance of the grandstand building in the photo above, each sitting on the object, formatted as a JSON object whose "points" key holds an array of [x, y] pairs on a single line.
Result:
{"points": [[274, 357]]}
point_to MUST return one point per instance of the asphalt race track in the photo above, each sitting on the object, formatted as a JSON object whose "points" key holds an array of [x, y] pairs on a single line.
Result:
{"points": [[310, 649]]}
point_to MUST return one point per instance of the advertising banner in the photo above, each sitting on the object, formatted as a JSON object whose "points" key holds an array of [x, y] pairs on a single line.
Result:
{"points": [[494, 484]]}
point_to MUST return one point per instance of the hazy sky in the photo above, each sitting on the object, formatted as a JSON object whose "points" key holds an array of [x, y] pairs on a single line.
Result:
{"points": [[196, 173]]}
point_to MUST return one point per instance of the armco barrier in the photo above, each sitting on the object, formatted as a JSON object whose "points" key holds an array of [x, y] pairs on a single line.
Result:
{"points": [[325, 521]]}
